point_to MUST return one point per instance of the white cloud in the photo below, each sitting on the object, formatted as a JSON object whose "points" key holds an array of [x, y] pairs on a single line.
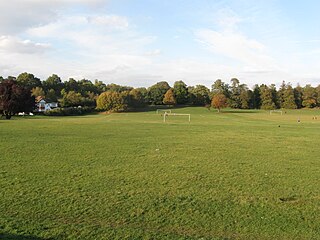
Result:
{"points": [[15, 45], [112, 21]]}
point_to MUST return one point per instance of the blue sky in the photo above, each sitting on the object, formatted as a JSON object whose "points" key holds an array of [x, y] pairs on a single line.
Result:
{"points": [[140, 42]]}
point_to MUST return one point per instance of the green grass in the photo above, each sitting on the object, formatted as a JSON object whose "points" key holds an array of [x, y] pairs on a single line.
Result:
{"points": [[234, 175]]}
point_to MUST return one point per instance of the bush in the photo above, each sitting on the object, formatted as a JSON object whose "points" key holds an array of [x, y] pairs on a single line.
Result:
{"points": [[71, 111], [112, 101]]}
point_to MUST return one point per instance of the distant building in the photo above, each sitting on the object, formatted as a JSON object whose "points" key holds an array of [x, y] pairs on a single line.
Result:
{"points": [[42, 105]]}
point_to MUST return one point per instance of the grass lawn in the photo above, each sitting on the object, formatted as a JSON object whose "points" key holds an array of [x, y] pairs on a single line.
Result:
{"points": [[234, 175]]}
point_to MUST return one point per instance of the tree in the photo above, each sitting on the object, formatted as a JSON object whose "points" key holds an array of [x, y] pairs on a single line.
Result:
{"points": [[157, 92], [28, 80], [298, 91], [288, 100], [180, 91], [244, 97], [256, 97], [169, 98], [51, 95], [219, 101], [235, 101], [37, 91], [53, 82], [309, 97], [220, 87], [267, 101], [199, 95], [71, 99], [136, 98], [14, 98], [112, 101]]}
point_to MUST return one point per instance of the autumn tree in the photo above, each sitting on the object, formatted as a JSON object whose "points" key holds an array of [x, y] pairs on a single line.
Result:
{"points": [[219, 101], [112, 101], [169, 98]]}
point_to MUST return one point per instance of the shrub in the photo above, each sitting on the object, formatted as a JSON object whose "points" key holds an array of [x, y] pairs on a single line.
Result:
{"points": [[71, 111]]}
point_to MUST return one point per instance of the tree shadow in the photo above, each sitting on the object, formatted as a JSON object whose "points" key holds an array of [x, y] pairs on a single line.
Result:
{"points": [[9, 236], [239, 111]]}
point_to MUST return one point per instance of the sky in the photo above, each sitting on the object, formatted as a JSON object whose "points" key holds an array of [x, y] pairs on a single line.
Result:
{"points": [[141, 42]]}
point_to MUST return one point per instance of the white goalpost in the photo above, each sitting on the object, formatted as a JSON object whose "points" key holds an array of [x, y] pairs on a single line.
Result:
{"points": [[164, 111], [175, 114], [276, 111]]}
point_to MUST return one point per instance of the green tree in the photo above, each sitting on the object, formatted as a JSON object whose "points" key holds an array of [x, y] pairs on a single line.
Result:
{"points": [[220, 87], [169, 98], [256, 97], [157, 92], [71, 99], [267, 100], [298, 92], [287, 98], [180, 92], [38, 91], [244, 97], [28, 80], [199, 95], [309, 97], [136, 98], [112, 101], [51, 95], [235, 101], [53, 82]]}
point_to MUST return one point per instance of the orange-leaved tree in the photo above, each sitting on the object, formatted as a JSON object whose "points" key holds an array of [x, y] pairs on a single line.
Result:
{"points": [[169, 98], [219, 101]]}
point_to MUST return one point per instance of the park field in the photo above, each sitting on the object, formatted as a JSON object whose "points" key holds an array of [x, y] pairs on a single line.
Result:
{"points": [[233, 175]]}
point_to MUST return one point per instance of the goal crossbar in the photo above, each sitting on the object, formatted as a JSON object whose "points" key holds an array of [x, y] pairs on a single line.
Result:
{"points": [[176, 114]]}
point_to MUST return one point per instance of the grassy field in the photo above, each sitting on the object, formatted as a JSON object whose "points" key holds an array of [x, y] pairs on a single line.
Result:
{"points": [[234, 175]]}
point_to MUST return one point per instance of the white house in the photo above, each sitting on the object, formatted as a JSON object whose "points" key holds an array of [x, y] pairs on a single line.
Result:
{"points": [[42, 105]]}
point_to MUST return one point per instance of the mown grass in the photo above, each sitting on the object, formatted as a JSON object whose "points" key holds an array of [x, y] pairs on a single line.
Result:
{"points": [[234, 175]]}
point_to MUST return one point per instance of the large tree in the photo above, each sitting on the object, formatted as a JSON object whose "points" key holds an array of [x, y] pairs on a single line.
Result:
{"points": [[180, 92], [112, 101], [157, 92], [267, 99], [28, 80], [15, 98], [199, 95]]}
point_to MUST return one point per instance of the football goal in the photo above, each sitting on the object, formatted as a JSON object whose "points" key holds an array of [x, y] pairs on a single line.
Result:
{"points": [[163, 111], [276, 111], [166, 115]]}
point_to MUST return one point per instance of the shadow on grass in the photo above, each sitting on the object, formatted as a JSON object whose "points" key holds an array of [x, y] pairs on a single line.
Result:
{"points": [[9, 236], [239, 111]]}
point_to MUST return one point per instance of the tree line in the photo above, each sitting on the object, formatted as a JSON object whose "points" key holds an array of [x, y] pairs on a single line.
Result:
{"points": [[114, 97]]}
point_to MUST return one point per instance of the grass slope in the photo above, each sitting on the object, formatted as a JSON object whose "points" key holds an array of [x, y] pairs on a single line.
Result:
{"points": [[235, 175]]}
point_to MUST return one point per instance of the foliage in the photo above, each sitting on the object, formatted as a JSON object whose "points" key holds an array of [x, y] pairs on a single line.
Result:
{"points": [[71, 99], [112, 101], [267, 99], [157, 91], [219, 101], [15, 98], [136, 98], [69, 111], [37, 92], [169, 98], [180, 92], [199, 95], [28, 80]]}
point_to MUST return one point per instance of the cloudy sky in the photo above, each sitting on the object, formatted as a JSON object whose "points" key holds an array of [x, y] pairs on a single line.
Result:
{"points": [[140, 42]]}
